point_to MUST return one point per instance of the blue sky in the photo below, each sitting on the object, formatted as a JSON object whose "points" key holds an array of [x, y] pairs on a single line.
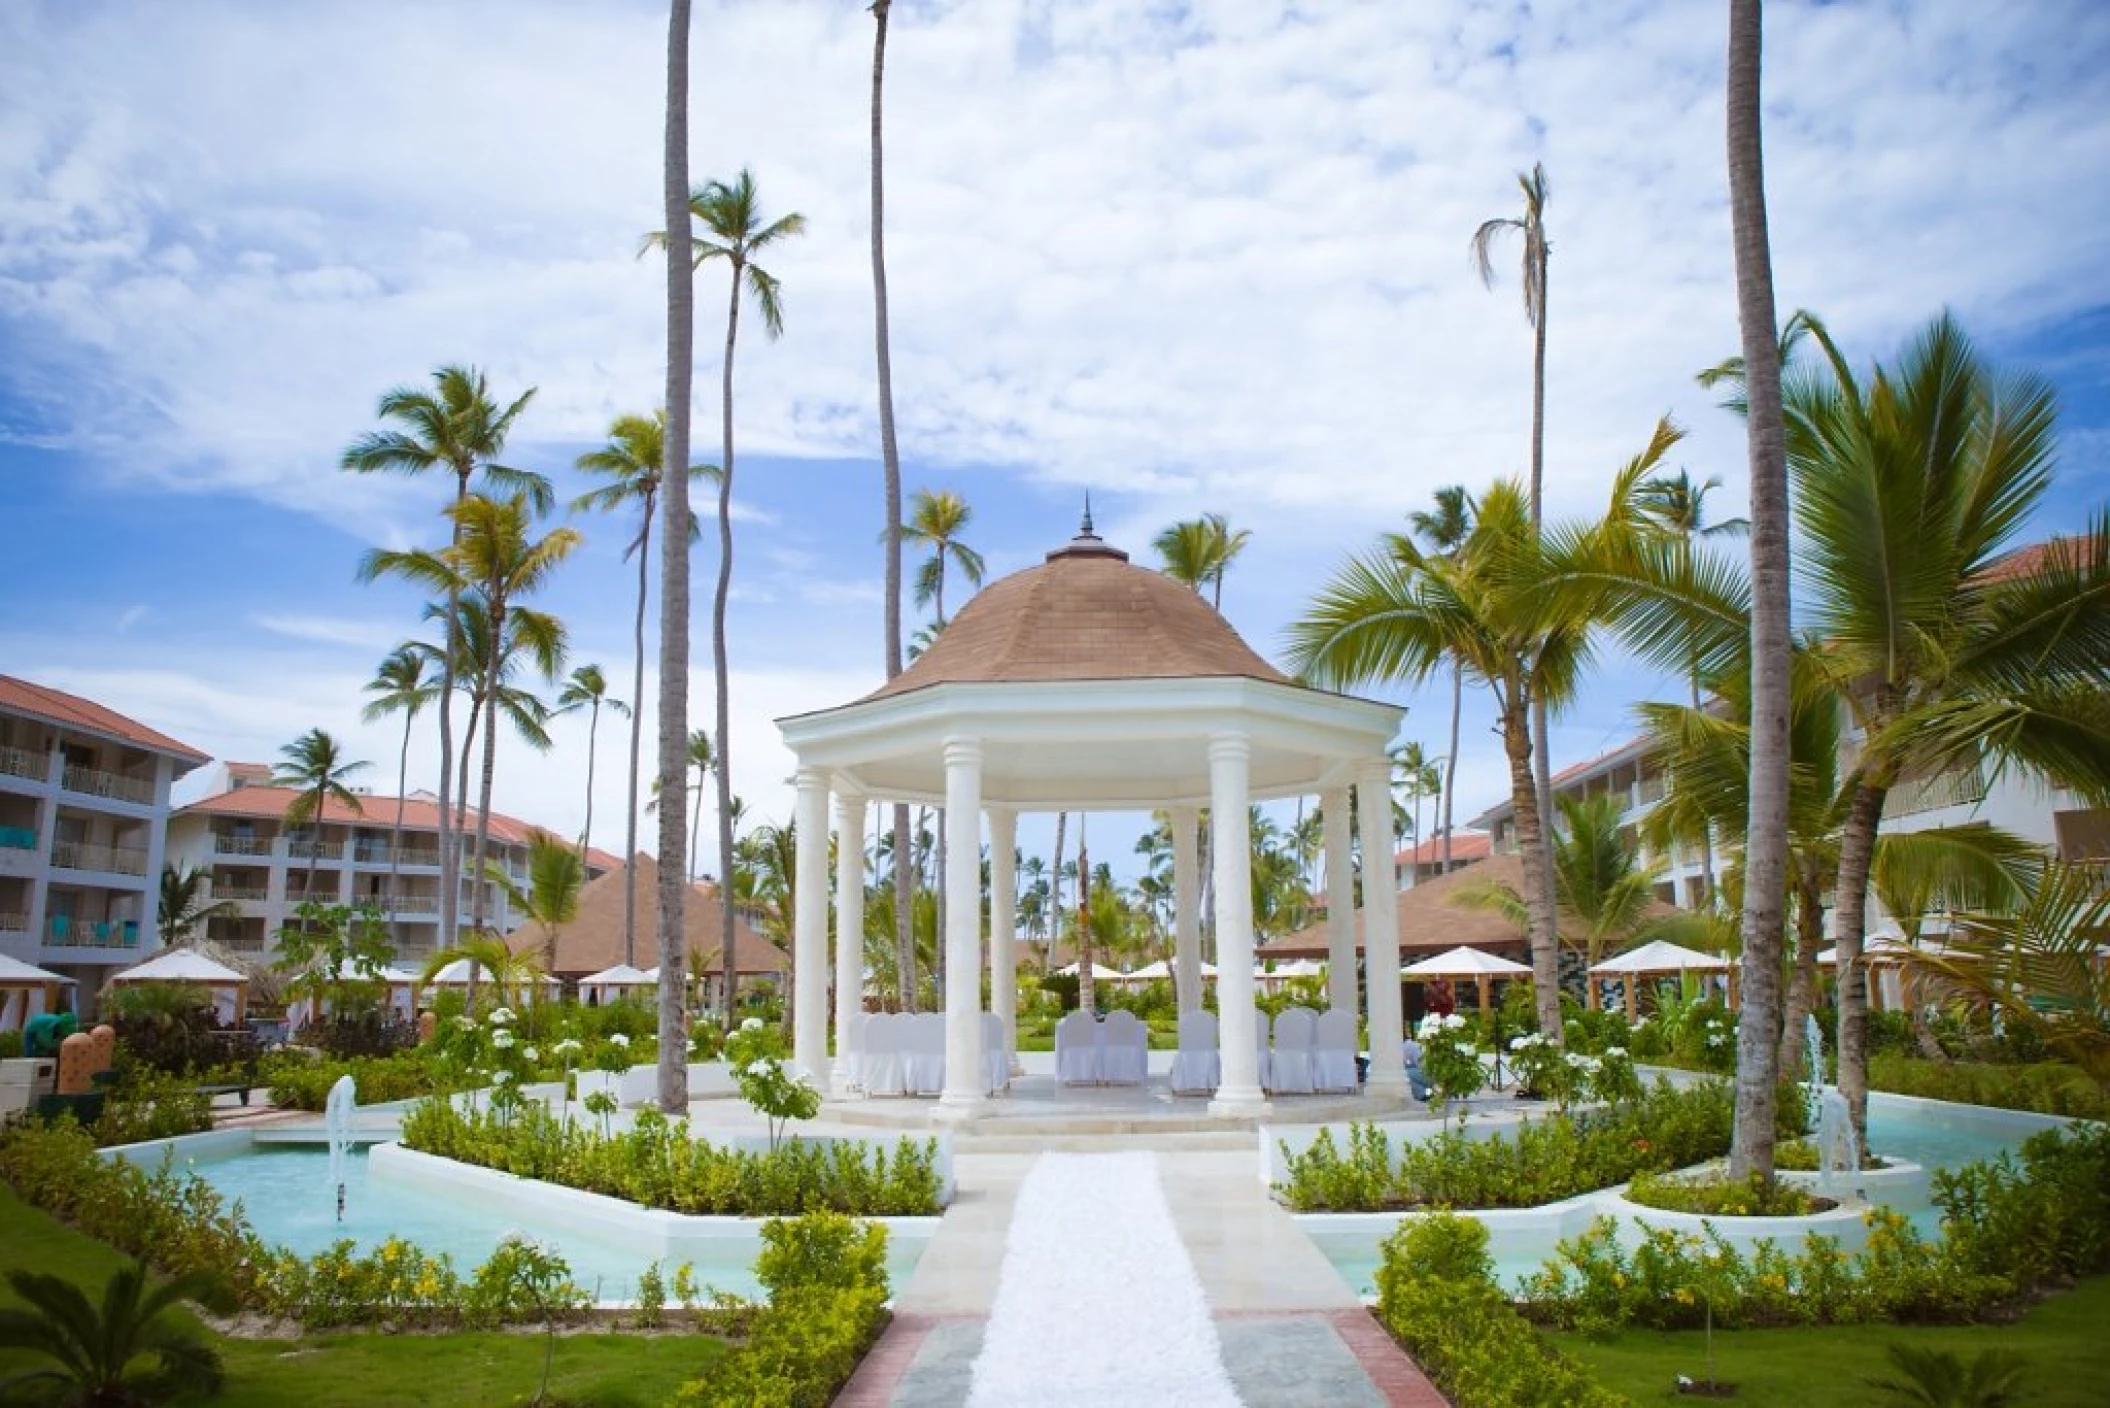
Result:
{"points": [[1191, 258]]}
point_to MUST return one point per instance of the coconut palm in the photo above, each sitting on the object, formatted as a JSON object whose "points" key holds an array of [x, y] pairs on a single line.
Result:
{"points": [[550, 899], [588, 689], [705, 760], [1417, 776], [455, 428], [1443, 532], [1937, 1378], [1602, 888], [935, 521], [512, 976], [528, 638], [494, 554], [400, 686], [131, 1348], [315, 766], [1198, 551], [674, 572], [633, 461], [731, 216], [183, 909]]}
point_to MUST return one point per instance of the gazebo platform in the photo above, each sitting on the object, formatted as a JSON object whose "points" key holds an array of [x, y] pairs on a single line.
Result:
{"points": [[1039, 1106]]}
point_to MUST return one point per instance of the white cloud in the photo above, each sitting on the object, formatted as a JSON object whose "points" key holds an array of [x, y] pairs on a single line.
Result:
{"points": [[330, 630]]}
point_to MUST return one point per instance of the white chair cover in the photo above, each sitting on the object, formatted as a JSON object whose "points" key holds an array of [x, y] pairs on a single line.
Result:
{"points": [[1197, 1067], [853, 1045], [1294, 1034], [925, 1054], [1333, 1053], [1077, 1049], [996, 1057], [1124, 1049], [1263, 1066], [881, 1068]]}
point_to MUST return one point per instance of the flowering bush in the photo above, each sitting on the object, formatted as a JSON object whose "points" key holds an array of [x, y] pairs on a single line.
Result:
{"points": [[1450, 1059], [767, 1080], [1718, 1196]]}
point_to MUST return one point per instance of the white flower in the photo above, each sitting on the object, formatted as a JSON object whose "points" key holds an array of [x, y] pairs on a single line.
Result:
{"points": [[532, 1054], [619, 1040], [1454, 1021], [467, 1024], [751, 1024], [1430, 1025], [501, 1015], [501, 1077], [501, 1038], [1619, 1051], [566, 1047]]}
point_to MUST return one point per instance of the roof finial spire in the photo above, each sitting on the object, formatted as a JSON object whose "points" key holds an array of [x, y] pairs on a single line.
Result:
{"points": [[1086, 530], [1087, 543]]}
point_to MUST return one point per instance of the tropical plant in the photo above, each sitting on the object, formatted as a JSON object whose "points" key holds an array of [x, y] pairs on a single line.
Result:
{"points": [[588, 689], [1597, 876], [514, 976], [131, 1348], [550, 899], [400, 686], [334, 954], [455, 428], [935, 521], [314, 765], [1443, 532], [735, 231], [182, 909], [1414, 774], [1936, 1378], [1198, 551], [703, 758], [634, 461]]}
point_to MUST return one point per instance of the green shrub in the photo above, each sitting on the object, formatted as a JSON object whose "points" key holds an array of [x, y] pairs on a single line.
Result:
{"points": [[147, 1104], [1437, 1296], [2049, 1088], [302, 1082], [821, 1249], [2047, 1220], [10, 1046], [1754, 1196]]}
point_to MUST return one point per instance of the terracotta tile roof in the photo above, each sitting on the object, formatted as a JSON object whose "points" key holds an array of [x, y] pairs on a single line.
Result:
{"points": [[1084, 614], [72, 711], [265, 803], [594, 940], [1465, 846], [249, 774], [2060, 552]]}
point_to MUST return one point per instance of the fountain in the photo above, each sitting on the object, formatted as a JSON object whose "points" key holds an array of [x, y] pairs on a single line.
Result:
{"points": [[1838, 1152], [337, 1123]]}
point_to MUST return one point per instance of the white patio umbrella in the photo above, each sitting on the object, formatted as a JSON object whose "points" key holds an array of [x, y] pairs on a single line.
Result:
{"points": [[1100, 973], [615, 982], [26, 991], [1149, 972], [1467, 963], [1659, 959], [227, 988]]}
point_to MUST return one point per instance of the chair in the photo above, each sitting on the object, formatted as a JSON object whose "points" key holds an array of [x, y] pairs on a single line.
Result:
{"points": [[1197, 1067], [853, 1040], [1124, 1049], [1077, 1049], [996, 1054], [1263, 1062], [880, 1068], [1333, 1053], [924, 1054], [1294, 1035]]}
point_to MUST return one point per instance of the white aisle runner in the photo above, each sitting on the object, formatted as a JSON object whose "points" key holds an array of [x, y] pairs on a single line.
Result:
{"points": [[1097, 1302]]}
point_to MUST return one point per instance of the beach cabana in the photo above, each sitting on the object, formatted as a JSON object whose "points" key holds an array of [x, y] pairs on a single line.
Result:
{"points": [[1157, 972], [398, 985], [227, 988], [1659, 958], [622, 980], [27, 991], [1463, 964], [1884, 957], [1100, 973], [456, 975]]}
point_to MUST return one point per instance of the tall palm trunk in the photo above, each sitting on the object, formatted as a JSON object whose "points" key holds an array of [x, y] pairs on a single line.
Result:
{"points": [[1450, 763], [722, 686], [1692, 674], [1087, 992], [450, 884], [1062, 821], [637, 734], [1857, 849], [890, 457], [395, 839], [696, 823], [674, 582], [490, 770], [1765, 853], [1534, 854], [593, 740], [1541, 735]]}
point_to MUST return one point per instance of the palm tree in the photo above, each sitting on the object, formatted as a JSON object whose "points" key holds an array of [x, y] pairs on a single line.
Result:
{"points": [[1198, 551], [528, 637], [634, 460], [182, 909], [890, 458], [513, 976], [1412, 770], [1765, 854], [400, 686], [1443, 532], [456, 427], [935, 521], [588, 689], [705, 761], [314, 765], [493, 554], [1600, 883], [1936, 1378], [732, 216], [551, 897], [99, 1349], [674, 574], [1531, 226]]}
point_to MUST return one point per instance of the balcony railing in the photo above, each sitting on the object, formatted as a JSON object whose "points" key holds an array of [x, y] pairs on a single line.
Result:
{"points": [[415, 855], [241, 845], [115, 860], [410, 904], [308, 848], [1958, 788], [20, 762], [14, 923], [254, 893], [18, 838], [64, 931], [94, 782]]}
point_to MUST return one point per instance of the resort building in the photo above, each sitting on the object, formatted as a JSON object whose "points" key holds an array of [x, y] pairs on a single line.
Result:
{"points": [[1426, 861], [385, 852], [84, 810]]}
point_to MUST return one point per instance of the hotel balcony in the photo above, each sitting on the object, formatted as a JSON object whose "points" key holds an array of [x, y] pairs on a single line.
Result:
{"points": [[94, 782], [225, 845], [109, 860], [64, 931], [21, 762]]}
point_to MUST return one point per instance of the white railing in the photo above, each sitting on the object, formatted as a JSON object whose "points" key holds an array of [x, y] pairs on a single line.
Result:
{"points": [[94, 782], [20, 762], [64, 931], [14, 923], [1958, 788], [257, 893], [410, 904], [115, 860], [241, 845], [307, 848]]}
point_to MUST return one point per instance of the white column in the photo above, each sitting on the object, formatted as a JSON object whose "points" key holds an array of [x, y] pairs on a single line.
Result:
{"points": [[1003, 928], [963, 929], [1231, 842], [849, 932], [1373, 788], [1186, 906], [1340, 898], [809, 934]]}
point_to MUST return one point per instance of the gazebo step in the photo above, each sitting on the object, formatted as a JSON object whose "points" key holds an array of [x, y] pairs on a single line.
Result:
{"points": [[1005, 1140]]}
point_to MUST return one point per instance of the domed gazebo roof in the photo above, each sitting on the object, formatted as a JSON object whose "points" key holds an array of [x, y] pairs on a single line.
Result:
{"points": [[1086, 613]]}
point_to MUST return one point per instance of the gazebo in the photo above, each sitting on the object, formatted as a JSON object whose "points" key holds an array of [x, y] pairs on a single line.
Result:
{"points": [[622, 980], [26, 991], [1467, 964], [1659, 958], [1086, 684], [227, 989]]}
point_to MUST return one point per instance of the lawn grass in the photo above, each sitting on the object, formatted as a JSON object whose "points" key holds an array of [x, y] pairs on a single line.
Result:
{"points": [[2062, 1339], [351, 1370]]}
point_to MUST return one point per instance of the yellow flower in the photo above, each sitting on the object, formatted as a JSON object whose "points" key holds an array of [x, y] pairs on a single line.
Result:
{"points": [[1684, 1296], [1619, 1278]]}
